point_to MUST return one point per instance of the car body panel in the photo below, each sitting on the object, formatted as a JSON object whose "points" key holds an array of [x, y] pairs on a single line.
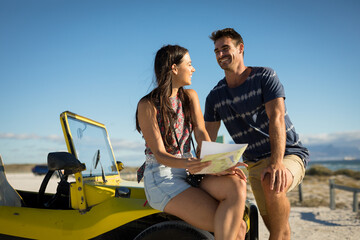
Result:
{"points": [[95, 205], [71, 224]]}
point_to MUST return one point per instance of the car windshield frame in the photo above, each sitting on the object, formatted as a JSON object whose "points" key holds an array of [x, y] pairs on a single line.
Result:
{"points": [[89, 142]]}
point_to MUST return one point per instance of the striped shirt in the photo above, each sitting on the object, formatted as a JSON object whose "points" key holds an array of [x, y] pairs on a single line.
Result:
{"points": [[242, 110]]}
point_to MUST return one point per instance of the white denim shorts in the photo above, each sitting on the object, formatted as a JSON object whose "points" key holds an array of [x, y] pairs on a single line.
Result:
{"points": [[162, 183]]}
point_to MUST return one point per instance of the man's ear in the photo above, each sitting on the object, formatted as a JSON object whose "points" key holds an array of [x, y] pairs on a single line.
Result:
{"points": [[174, 69], [241, 48]]}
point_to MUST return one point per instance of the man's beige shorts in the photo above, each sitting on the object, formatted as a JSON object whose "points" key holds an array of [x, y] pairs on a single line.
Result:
{"points": [[292, 162]]}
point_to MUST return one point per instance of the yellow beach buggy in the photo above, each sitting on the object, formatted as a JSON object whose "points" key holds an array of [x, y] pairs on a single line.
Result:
{"points": [[98, 203]]}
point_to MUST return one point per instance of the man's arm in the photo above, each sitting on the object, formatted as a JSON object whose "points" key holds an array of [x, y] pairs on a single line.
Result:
{"points": [[275, 110], [212, 128], [200, 132]]}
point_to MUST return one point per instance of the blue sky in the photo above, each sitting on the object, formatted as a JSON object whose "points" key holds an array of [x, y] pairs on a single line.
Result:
{"points": [[95, 58]]}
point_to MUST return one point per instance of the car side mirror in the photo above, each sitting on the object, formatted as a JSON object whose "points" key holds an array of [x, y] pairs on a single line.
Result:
{"points": [[120, 165]]}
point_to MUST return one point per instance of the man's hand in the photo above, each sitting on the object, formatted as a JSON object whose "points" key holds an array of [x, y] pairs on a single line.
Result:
{"points": [[278, 176], [235, 171]]}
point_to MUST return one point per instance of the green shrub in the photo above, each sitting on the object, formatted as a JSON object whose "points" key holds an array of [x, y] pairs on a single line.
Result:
{"points": [[348, 172], [319, 170]]}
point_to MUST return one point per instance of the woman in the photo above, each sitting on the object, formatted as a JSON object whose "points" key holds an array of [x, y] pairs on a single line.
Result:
{"points": [[166, 117]]}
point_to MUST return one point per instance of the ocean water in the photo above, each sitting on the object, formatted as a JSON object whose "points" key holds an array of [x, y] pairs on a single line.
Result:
{"points": [[337, 164]]}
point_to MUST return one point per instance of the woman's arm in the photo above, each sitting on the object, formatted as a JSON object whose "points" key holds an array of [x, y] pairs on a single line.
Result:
{"points": [[151, 132]]}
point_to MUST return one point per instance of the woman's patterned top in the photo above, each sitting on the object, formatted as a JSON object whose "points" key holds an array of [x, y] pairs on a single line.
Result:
{"points": [[182, 130]]}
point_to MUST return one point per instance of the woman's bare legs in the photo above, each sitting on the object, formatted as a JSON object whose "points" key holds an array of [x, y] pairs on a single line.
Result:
{"points": [[230, 191], [217, 206], [242, 232], [194, 206]]}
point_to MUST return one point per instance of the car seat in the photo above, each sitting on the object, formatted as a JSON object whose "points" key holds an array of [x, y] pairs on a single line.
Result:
{"points": [[8, 195]]}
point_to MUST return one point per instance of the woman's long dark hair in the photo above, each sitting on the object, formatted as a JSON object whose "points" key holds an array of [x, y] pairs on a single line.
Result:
{"points": [[159, 97]]}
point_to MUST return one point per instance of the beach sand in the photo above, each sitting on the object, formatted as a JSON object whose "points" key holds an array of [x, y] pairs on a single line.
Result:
{"points": [[310, 219]]}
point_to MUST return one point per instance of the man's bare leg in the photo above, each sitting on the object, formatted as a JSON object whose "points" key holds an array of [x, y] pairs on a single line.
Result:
{"points": [[278, 210]]}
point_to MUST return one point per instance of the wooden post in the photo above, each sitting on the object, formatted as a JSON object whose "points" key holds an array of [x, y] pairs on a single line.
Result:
{"points": [[345, 188], [332, 194], [300, 192], [355, 202]]}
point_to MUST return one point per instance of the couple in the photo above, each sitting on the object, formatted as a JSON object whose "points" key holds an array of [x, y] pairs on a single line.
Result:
{"points": [[250, 102]]}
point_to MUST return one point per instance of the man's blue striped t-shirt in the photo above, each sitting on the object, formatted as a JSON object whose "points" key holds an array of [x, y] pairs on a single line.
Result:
{"points": [[242, 110]]}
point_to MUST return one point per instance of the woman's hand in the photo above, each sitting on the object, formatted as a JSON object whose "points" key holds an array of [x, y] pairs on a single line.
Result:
{"points": [[194, 165]]}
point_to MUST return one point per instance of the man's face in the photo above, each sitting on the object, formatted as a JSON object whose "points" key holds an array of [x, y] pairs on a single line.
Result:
{"points": [[227, 54]]}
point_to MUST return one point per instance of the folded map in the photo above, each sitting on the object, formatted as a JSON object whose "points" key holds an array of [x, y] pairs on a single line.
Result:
{"points": [[222, 156]]}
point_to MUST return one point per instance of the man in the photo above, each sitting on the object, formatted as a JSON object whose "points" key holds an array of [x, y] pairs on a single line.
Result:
{"points": [[250, 102]]}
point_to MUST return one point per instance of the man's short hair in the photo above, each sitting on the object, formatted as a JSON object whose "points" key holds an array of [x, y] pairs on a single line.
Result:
{"points": [[227, 32]]}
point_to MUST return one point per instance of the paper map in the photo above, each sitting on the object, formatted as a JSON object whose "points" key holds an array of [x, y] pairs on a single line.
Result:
{"points": [[222, 156]]}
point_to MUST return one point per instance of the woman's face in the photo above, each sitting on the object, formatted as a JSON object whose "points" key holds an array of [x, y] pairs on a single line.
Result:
{"points": [[183, 72]]}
